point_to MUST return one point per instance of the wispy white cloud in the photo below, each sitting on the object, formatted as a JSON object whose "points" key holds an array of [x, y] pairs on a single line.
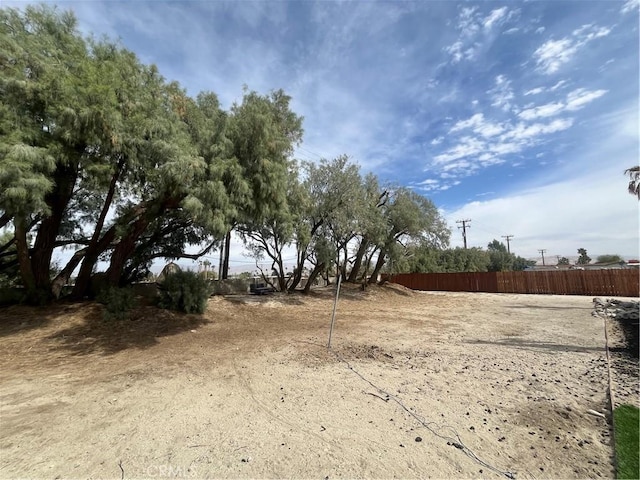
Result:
{"points": [[468, 21], [477, 31], [538, 223], [459, 52], [525, 132], [502, 93], [580, 97], [433, 185], [553, 88], [630, 6], [479, 125], [473, 121], [467, 146], [553, 54], [576, 100], [534, 91], [495, 17], [547, 110]]}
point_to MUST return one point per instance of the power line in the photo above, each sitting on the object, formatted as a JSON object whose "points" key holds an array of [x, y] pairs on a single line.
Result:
{"points": [[309, 151], [464, 230], [542, 252], [508, 237]]}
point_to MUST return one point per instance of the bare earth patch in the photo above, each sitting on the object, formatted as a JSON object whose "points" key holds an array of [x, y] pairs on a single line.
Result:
{"points": [[493, 385]]}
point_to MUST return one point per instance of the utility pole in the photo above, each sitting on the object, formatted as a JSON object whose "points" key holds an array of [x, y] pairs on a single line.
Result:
{"points": [[508, 237], [464, 229], [542, 252]]}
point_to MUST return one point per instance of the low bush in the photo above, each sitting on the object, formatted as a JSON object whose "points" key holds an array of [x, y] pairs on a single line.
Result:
{"points": [[184, 292], [117, 302]]}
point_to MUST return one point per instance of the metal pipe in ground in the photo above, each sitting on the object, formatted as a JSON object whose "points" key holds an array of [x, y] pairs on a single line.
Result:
{"points": [[335, 304]]}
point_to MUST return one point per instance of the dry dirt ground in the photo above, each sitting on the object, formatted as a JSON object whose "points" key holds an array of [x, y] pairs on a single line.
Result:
{"points": [[417, 385]]}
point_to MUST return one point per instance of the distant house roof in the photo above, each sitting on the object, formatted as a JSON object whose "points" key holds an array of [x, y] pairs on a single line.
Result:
{"points": [[589, 266]]}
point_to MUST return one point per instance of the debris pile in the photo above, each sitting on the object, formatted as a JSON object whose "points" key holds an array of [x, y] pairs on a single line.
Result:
{"points": [[626, 313]]}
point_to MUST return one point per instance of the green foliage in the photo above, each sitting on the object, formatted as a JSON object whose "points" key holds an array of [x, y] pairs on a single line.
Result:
{"points": [[499, 259], [425, 259], [87, 129], [184, 291], [520, 263], [263, 132], [583, 259], [609, 259], [634, 181], [409, 218], [563, 261], [626, 420], [117, 301], [496, 246]]}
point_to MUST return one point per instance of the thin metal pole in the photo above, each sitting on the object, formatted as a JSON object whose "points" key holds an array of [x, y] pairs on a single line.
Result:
{"points": [[335, 304]]}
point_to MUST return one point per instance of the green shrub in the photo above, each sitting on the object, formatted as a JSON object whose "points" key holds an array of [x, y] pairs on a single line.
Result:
{"points": [[117, 302], [185, 292]]}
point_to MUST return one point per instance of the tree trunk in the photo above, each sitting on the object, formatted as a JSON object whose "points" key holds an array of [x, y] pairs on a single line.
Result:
{"points": [[282, 280], [22, 251], [357, 264], [221, 263], [63, 277], [379, 264], [64, 179], [123, 250], [313, 275], [297, 271], [92, 253], [127, 244], [225, 265]]}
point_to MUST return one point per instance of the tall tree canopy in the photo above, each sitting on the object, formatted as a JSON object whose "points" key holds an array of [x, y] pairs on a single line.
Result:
{"points": [[583, 259], [100, 153]]}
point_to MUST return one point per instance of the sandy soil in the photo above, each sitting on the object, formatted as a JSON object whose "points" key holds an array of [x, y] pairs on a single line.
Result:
{"points": [[417, 385]]}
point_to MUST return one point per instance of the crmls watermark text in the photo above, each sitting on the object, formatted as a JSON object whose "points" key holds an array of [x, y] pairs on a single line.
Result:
{"points": [[169, 471]]}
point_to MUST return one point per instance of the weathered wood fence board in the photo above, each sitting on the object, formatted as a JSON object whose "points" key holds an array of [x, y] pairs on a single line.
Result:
{"points": [[618, 282]]}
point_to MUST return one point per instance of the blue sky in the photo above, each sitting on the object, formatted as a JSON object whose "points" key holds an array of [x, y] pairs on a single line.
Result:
{"points": [[521, 116]]}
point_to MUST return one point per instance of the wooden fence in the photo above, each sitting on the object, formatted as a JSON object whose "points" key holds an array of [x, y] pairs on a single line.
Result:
{"points": [[623, 283]]}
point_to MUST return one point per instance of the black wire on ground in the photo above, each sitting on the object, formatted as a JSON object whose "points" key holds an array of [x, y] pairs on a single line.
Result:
{"points": [[433, 427]]}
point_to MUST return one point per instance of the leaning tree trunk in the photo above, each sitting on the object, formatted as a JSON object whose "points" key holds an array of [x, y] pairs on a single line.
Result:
{"points": [[357, 264], [313, 275], [63, 277], [379, 264], [124, 249], [225, 265], [92, 252]]}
